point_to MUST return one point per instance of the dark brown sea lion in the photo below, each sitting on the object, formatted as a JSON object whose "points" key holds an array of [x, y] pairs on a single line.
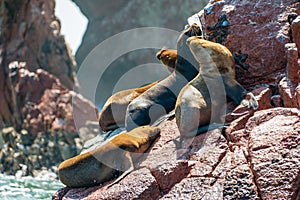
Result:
{"points": [[161, 98], [113, 112], [203, 97], [104, 163]]}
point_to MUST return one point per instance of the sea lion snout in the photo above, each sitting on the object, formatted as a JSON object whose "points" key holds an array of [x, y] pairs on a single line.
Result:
{"points": [[158, 54]]}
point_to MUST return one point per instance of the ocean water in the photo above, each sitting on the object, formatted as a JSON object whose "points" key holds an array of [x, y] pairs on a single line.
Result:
{"points": [[25, 188]]}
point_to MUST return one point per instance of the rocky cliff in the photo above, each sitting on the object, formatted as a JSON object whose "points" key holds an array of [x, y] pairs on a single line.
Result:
{"points": [[258, 156], [37, 128]]}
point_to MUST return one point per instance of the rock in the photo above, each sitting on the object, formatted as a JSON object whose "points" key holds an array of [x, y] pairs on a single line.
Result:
{"points": [[45, 127], [263, 23], [292, 69], [28, 36], [288, 93], [274, 152], [138, 185], [296, 32]]}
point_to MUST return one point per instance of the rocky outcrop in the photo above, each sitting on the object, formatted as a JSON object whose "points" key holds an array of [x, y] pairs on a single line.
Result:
{"points": [[259, 161], [37, 127], [30, 33], [256, 30], [48, 134]]}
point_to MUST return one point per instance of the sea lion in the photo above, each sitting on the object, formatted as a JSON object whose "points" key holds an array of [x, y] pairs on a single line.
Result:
{"points": [[104, 163], [200, 100], [168, 57], [161, 98], [113, 112]]}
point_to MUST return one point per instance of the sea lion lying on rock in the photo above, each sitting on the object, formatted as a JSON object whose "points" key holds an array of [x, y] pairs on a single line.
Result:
{"points": [[113, 112], [104, 163], [200, 101], [161, 98]]}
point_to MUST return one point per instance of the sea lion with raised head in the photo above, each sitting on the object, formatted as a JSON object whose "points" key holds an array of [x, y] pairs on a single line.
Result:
{"points": [[161, 98], [113, 112], [201, 99], [168, 57], [104, 163]]}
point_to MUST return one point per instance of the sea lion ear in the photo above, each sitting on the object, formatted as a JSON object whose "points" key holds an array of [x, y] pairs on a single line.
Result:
{"points": [[164, 48]]}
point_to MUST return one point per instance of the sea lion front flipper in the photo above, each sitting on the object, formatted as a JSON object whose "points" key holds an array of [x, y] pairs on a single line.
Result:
{"points": [[127, 162], [239, 94]]}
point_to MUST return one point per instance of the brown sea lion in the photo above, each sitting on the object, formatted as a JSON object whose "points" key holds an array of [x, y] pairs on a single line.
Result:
{"points": [[200, 101], [168, 57], [104, 163], [113, 112], [161, 98]]}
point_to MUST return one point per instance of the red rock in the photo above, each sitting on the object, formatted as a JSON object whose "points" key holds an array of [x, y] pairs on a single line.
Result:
{"points": [[209, 155], [274, 152], [292, 71], [264, 24], [38, 45], [139, 184], [296, 32]]}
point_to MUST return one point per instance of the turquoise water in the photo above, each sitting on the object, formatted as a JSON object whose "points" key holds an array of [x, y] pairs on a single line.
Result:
{"points": [[25, 188]]}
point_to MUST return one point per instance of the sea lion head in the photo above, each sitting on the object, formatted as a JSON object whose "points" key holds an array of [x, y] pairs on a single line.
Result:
{"points": [[168, 58], [207, 53]]}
